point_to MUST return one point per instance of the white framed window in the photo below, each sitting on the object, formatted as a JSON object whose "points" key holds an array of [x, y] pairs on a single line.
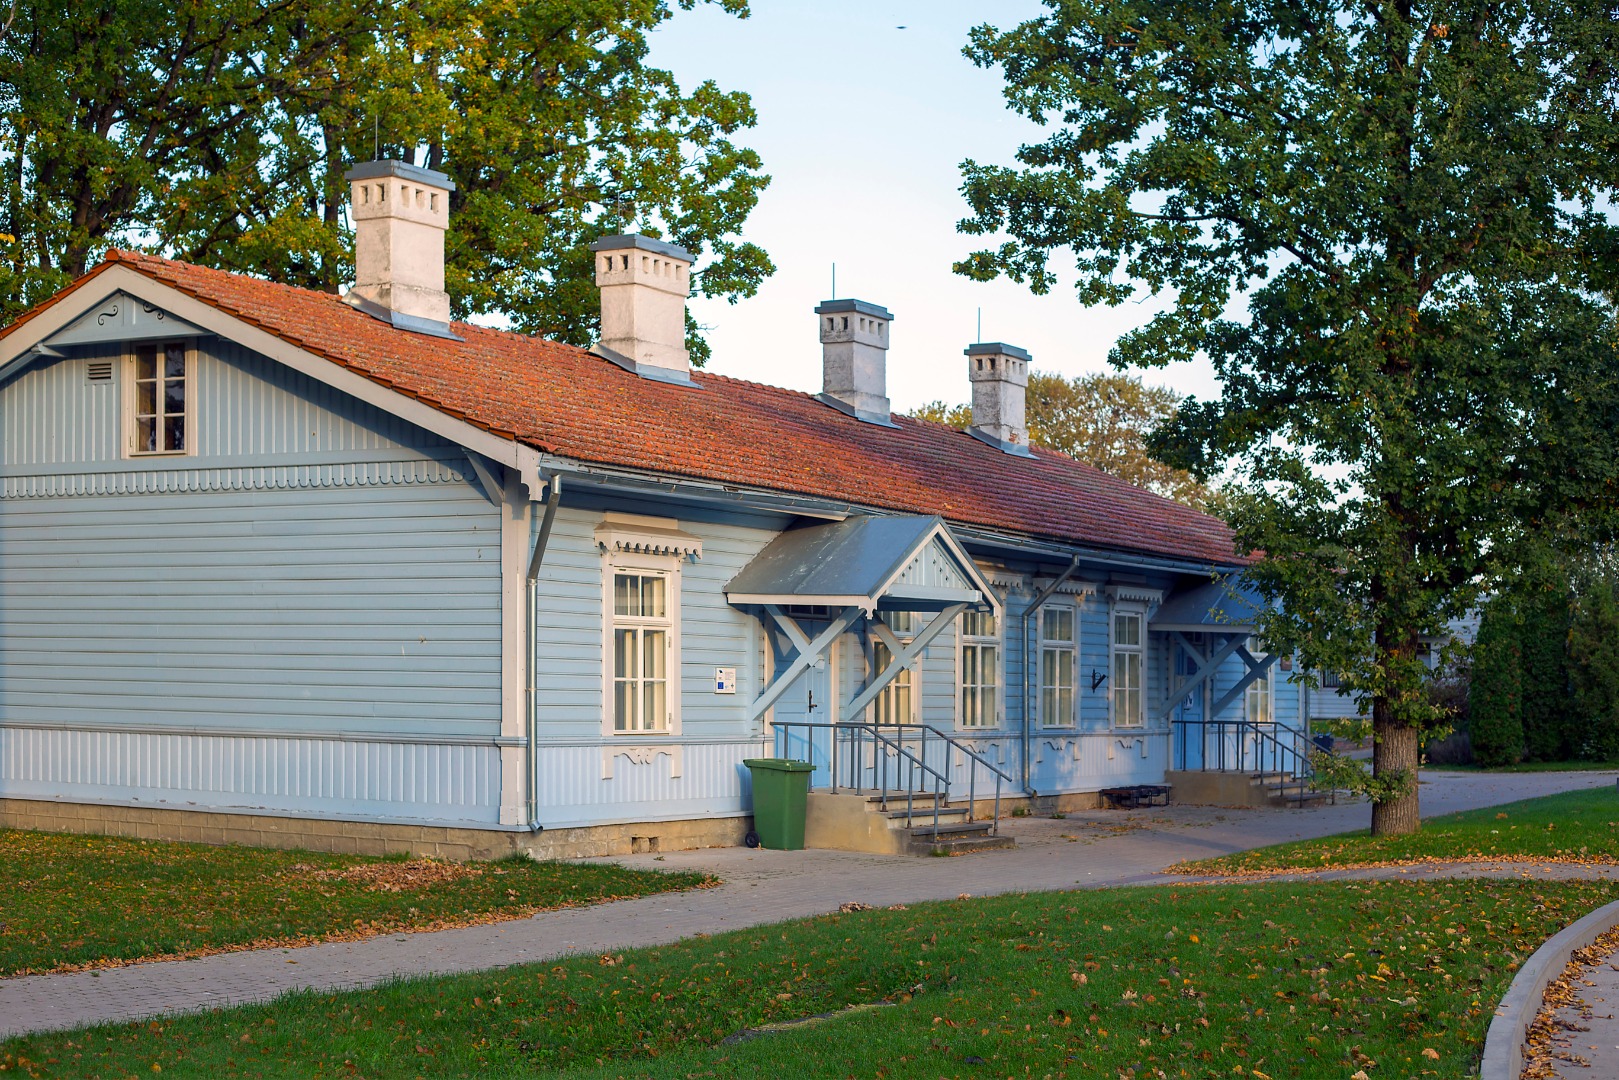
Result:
{"points": [[1059, 664], [980, 668], [159, 408], [1258, 697], [1128, 647], [641, 685], [897, 702]]}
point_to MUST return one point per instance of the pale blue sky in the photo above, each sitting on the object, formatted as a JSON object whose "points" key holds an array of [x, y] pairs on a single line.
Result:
{"points": [[863, 127]]}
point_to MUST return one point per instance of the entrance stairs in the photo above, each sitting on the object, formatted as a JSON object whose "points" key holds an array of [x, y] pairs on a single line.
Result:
{"points": [[956, 833], [1286, 789], [897, 823]]}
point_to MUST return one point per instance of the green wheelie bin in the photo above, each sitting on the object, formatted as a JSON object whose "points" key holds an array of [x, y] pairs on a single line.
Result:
{"points": [[780, 794]]}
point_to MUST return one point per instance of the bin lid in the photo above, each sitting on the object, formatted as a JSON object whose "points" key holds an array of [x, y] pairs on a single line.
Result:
{"points": [[776, 764]]}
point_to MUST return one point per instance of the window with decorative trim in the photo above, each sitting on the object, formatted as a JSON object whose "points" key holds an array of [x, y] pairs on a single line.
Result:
{"points": [[1059, 664], [1128, 647], [897, 702], [159, 413], [980, 667], [642, 628], [1259, 702], [641, 561]]}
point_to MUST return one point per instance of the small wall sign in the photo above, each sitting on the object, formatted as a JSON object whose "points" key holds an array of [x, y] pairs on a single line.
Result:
{"points": [[725, 680]]}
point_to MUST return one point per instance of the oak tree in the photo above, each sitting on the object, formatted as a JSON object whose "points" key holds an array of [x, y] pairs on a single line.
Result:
{"points": [[1385, 224]]}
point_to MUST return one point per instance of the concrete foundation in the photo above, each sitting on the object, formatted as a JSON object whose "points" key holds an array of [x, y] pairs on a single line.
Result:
{"points": [[1195, 788], [366, 837]]}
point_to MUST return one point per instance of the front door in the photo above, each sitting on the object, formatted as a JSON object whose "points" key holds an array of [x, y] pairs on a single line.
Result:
{"points": [[1188, 735]]}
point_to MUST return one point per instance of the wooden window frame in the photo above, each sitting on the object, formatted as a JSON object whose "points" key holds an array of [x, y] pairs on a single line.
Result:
{"points": [[911, 677], [1060, 647], [1115, 649], [977, 643], [130, 404], [667, 568], [1261, 690]]}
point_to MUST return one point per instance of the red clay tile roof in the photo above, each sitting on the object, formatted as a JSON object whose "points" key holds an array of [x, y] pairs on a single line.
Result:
{"points": [[565, 401]]}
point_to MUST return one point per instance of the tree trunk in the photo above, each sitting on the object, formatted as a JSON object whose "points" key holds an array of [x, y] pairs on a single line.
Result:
{"points": [[1394, 750]]}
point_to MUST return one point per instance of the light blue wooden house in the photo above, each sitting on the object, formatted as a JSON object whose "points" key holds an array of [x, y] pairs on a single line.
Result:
{"points": [[285, 567]]}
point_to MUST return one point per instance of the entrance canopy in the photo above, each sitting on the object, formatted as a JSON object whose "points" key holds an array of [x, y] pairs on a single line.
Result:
{"points": [[854, 569], [1224, 614], [891, 563], [1225, 606]]}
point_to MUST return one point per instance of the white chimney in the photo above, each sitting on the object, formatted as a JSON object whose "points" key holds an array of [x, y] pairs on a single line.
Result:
{"points": [[400, 214], [1000, 379], [854, 359], [644, 284]]}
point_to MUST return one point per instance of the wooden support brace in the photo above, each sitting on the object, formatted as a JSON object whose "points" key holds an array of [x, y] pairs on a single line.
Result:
{"points": [[1205, 670], [1256, 671], [903, 655], [808, 652]]}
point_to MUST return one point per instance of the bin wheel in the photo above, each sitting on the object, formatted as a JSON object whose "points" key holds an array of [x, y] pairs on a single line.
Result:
{"points": [[752, 839]]}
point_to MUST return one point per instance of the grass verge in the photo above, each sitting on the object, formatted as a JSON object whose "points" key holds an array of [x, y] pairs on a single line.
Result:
{"points": [[1257, 980], [1575, 826], [69, 901]]}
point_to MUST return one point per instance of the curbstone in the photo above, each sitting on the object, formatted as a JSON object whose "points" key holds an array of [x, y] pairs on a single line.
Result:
{"points": [[1503, 1046]]}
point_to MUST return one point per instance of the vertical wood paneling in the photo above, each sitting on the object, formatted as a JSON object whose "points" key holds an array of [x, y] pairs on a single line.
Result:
{"points": [[315, 776], [572, 791]]}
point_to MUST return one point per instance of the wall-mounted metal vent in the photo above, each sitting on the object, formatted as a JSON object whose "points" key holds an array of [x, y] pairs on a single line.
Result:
{"points": [[99, 371]]}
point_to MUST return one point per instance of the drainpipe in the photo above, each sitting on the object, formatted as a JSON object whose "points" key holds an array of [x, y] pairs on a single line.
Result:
{"points": [[1033, 606], [553, 495]]}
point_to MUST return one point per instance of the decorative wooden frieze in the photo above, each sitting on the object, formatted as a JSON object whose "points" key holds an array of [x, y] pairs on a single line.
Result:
{"points": [[644, 755]]}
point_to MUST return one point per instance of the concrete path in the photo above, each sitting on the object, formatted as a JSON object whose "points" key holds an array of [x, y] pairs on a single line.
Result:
{"points": [[1587, 1043], [1082, 850]]}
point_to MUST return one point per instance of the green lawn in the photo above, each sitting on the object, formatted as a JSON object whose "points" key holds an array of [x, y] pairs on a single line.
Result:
{"points": [[1576, 826], [68, 900], [1258, 980]]}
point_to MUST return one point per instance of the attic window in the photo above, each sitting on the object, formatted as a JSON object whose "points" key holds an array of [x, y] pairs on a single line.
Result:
{"points": [[159, 419]]}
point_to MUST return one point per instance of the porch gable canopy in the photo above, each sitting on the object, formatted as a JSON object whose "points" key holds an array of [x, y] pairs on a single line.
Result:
{"points": [[862, 562], [1223, 607], [1226, 611], [855, 568]]}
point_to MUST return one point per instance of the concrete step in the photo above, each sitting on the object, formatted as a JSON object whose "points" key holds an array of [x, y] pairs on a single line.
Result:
{"points": [[921, 810], [958, 841], [952, 828]]}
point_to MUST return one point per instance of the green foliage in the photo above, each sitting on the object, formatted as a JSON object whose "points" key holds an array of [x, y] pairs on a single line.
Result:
{"points": [[1575, 826], [1384, 224], [1283, 980], [76, 900], [1552, 726], [1594, 662], [1100, 419], [219, 133], [1495, 703]]}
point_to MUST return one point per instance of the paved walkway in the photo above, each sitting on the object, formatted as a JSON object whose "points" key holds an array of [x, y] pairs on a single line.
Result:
{"points": [[1587, 1043], [1082, 850]]}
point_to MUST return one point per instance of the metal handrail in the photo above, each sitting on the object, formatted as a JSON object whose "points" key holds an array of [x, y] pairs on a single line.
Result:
{"points": [[1253, 740], [852, 737], [974, 760], [854, 734]]}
